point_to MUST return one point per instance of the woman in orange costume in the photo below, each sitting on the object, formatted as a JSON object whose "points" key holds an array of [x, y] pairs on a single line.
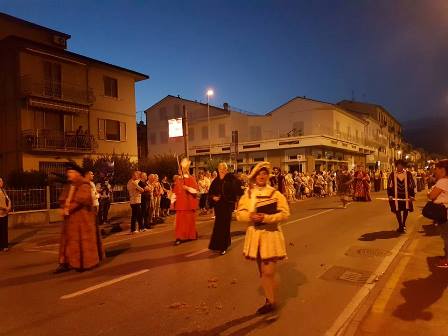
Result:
{"points": [[186, 190]]}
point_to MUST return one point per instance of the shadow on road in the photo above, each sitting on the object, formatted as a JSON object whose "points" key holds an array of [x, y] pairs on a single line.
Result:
{"points": [[290, 281], [257, 321], [429, 230], [371, 236], [420, 294], [20, 238]]}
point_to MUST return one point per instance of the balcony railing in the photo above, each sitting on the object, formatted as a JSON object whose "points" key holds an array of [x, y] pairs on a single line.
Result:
{"points": [[61, 91], [54, 141]]}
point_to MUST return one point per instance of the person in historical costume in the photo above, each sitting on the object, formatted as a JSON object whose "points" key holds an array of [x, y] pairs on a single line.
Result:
{"points": [[277, 180], [223, 194], [377, 177], [290, 188], [361, 185], [344, 181], [401, 192], [264, 208], [186, 190], [80, 246]]}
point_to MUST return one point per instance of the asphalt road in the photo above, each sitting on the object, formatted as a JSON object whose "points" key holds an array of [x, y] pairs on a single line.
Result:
{"points": [[148, 286]]}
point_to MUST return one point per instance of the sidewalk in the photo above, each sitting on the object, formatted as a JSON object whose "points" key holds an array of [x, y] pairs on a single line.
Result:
{"points": [[412, 300]]}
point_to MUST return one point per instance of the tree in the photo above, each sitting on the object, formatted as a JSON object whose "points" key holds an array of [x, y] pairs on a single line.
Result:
{"points": [[162, 165]]}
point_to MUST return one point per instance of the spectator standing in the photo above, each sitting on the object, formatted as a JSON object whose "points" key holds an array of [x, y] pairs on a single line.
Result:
{"points": [[5, 208], [95, 196], [439, 195], [204, 186], [135, 199], [165, 200], [104, 190], [146, 200]]}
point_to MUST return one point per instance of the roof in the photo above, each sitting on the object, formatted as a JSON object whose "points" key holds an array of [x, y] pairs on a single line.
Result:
{"points": [[188, 100], [317, 101], [63, 52], [30, 24], [362, 107]]}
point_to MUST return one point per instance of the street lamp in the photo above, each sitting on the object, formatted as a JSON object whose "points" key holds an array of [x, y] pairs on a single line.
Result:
{"points": [[209, 94]]}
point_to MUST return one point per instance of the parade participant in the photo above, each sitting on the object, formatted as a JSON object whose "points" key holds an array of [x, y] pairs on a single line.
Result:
{"points": [[157, 194], [223, 194], [277, 180], [264, 208], [439, 195], [377, 180], [80, 247], [361, 185], [344, 183], [204, 186], [401, 192], [165, 200], [104, 189], [186, 190], [290, 189], [135, 200], [5, 208]]}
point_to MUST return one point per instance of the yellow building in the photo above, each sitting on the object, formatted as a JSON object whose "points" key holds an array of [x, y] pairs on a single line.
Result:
{"points": [[56, 104]]}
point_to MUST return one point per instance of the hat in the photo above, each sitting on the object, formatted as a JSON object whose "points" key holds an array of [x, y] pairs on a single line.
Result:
{"points": [[266, 165], [73, 166]]}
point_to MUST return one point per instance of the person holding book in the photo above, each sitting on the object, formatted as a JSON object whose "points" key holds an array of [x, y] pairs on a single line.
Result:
{"points": [[264, 208]]}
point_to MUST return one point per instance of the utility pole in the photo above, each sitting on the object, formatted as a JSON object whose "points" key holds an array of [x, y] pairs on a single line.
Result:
{"points": [[185, 128]]}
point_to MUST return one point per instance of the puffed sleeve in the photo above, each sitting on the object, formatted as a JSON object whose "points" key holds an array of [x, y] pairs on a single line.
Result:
{"points": [[282, 207], [243, 209]]}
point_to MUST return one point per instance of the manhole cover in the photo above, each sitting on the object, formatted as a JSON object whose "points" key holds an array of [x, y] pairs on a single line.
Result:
{"points": [[345, 274], [356, 251]]}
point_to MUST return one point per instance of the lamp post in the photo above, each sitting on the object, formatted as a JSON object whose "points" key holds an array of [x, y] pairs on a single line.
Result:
{"points": [[209, 94]]}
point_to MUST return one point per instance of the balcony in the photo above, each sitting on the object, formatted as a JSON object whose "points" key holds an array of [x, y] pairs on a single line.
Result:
{"points": [[44, 140], [59, 91]]}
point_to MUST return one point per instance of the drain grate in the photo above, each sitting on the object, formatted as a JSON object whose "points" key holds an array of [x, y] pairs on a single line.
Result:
{"points": [[338, 273], [356, 251]]}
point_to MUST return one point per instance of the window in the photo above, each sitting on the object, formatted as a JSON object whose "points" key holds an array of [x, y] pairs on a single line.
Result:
{"points": [[222, 130], [164, 137], [204, 132], [111, 130], [110, 87], [255, 133], [53, 79], [191, 133]]}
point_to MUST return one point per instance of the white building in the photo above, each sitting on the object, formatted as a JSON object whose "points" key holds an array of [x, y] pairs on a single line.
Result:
{"points": [[302, 134]]}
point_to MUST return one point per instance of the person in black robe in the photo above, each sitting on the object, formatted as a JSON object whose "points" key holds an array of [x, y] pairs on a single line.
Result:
{"points": [[401, 192], [223, 194]]}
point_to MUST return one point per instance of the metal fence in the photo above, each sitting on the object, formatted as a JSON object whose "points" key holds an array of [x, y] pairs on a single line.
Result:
{"points": [[28, 199], [48, 197]]}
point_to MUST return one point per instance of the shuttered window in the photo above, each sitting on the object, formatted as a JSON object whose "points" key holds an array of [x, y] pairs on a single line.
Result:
{"points": [[110, 87], [112, 130]]}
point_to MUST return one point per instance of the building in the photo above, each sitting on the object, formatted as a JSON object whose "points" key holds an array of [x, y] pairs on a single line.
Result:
{"points": [[302, 134], [389, 134], [56, 104]]}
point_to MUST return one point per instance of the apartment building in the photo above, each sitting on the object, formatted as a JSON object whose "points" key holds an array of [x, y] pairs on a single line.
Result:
{"points": [[56, 104], [387, 133], [302, 134]]}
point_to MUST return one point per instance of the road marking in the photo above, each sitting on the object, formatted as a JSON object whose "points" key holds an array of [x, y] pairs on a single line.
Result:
{"points": [[386, 293], [44, 251], [103, 284], [197, 253], [344, 318]]}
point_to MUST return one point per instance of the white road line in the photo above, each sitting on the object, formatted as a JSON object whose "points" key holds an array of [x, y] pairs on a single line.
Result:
{"points": [[197, 253], [103, 284], [44, 251]]}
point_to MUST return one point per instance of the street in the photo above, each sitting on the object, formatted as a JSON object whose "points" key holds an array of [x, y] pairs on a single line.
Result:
{"points": [[148, 286]]}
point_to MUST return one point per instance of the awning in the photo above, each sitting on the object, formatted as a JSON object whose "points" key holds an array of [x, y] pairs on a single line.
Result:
{"points": [[57, 106]]}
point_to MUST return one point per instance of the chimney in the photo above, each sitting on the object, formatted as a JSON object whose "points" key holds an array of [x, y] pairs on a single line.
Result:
{"points": [[226, 106]]}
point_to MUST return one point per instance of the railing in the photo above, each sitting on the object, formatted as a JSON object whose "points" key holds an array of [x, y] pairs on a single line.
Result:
{"points": [[62, 91], [49, 140], [48, 197]]}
